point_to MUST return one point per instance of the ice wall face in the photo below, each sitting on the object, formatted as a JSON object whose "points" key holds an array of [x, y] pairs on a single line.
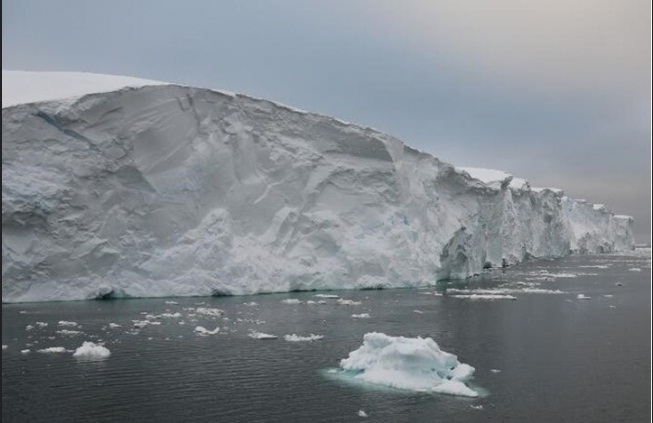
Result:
{"points": [[168, 190]]}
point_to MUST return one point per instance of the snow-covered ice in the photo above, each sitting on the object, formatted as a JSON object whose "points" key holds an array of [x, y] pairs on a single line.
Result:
{"points": [[291, 301], [299, 338], [485, 296], [197, 185], [52, 350], [68, 332], [260, 335], [67, 323], [201, 330], [342, 301], [91, 351], [415, 364]]}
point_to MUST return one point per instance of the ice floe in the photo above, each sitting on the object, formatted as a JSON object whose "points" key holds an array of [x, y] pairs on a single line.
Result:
{"points": [[298, 338], [361, 316], [415, 364], [201, 330], [91, 351], [260, 335]]}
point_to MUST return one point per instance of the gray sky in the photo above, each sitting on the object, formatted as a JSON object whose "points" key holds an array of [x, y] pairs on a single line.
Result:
{"points": [[557, 92]]}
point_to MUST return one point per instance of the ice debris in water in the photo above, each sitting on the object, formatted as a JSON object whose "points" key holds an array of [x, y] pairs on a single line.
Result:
{"points": [[298, 338], [114, 325], [485, 296], [4, 347], [415, 364], [291, 301], [326, 296], [362, 413], [201, 330], [361, 316], [91, 351], [52, 350], [25, 351], [41, 324], [583, 297], [260, 335], [66, 323], [343, 301], [68, 332]]}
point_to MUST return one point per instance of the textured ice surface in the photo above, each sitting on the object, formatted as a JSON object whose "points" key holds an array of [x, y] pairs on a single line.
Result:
{"points": [[299, 338], [164, 190], [260, 335], [91, 351], [415, 364]]}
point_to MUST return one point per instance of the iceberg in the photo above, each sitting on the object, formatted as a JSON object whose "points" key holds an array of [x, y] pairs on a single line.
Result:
{"points": [[299, 338], [91, 351], [118, 187], [414, 364]]}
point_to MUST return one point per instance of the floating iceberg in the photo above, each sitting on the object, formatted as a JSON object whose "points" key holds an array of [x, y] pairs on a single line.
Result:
{"points": [[52, 350], [298, 338], [260, 335], [201, 330], [117, 187], [91, 351], [415, 364]]}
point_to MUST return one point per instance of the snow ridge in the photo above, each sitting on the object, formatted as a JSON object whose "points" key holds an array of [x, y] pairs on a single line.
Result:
{"points": [[165, 190]]}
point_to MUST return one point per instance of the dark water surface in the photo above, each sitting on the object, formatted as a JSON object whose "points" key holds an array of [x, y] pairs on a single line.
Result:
{"points": [[561, 359]]}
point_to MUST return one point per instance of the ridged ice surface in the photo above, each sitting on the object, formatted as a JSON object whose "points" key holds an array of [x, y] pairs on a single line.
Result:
{"points": [[163, 190]]}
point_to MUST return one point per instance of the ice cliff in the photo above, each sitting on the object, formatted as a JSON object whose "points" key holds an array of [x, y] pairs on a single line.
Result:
{"points": [[146, 189]]}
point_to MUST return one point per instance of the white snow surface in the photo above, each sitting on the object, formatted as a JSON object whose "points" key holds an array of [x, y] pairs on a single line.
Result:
{"points": [[415, 364], [165, 190], [260, 335], [20, 87], [299, 338], [91, 351]]}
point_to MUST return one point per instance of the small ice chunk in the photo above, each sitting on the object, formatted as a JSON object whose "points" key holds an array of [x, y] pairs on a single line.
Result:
{"points": [[25, 351], [91, 351], [476, 407], [310, 302], [635, 269], [342, 301], [114, 325], [583, 297], [260, 335], [619, 284], [68, 332], [485, 296], [42, 324], [495, 370], [206, 311], [201, 330], [362, 413], [52, 350], [172, 302], [608, 295], [171, 315], [4, 347], [251, 304], [327, 296], [418, 312], [415, 364], [291, 301], [361, 316], [29, 327], [67, 323], [298, 338]]}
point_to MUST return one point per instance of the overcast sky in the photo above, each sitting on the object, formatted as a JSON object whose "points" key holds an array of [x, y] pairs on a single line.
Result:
{"points": [[556, 91]]}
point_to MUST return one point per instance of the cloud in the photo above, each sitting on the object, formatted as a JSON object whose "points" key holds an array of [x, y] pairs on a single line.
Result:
{"points": [[544, 45]]}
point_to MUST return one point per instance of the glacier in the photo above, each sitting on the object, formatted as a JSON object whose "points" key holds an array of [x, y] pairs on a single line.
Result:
{"points": [[120, 187]]}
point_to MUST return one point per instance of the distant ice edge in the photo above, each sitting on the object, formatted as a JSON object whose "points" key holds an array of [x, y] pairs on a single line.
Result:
{"points": [[176, 191]]}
